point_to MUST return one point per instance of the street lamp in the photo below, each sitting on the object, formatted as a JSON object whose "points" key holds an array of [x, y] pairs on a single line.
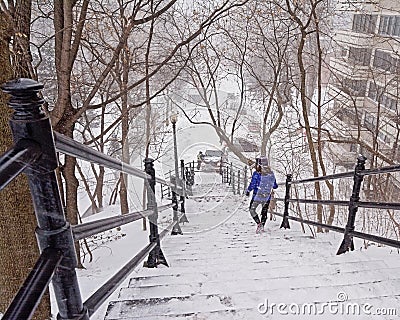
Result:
{"points": [[176, 228], [174, 119]]}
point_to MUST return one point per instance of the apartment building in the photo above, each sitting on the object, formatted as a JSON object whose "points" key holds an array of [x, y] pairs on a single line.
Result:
{"points": [[365, 84]]}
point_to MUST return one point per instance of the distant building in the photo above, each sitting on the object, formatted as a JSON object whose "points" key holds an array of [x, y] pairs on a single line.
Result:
{"points": [[365, 87]]}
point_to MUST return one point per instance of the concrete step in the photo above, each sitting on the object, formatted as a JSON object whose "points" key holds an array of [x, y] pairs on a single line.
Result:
{"points": [[278, 265], [370, 272], [247, 284], [221, 303], [224, 270]]}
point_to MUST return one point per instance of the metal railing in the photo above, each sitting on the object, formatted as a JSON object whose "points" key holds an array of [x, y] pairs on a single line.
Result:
{"points": [[235, 176], [353, 203], [34, 153]]}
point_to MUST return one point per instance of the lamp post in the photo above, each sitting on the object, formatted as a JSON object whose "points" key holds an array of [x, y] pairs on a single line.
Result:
{"points": [[174, 119], [176, 229]]}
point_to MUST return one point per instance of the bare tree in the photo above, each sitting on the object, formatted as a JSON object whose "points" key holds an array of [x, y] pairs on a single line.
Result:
{"points": [[18, 247]]}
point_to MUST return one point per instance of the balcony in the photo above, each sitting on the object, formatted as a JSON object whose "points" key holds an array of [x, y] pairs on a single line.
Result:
{"points": [[340, 155]]}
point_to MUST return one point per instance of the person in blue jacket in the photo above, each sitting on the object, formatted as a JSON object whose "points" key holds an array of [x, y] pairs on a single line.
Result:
{"points": [[262, 182]]}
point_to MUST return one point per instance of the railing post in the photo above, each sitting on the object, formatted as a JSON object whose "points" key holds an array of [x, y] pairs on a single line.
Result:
{"points": [[188, 180], [176, 229], [238, 180], [233, 182], [347, 242], [156, 255], [183, 170], [183, 194], [29, 122], [245, 180], [285, 221], [230, 173]]}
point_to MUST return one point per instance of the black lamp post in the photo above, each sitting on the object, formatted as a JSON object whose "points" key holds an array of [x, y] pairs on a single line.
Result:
{"points": [[176, 228], [174, 119]]}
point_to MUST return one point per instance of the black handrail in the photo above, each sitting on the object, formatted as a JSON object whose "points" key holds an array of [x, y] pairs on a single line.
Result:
{"points": [[73, 148], [361, 235], [313, 223], [15, 160], [312, 201], [353, 204], [323, 178], [388, 169], [29, 122], [101, 295], [91, 228], [35, 152], [26, 300]]}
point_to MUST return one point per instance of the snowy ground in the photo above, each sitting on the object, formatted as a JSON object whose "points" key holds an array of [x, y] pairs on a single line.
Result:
{"points": [[212, 210]]}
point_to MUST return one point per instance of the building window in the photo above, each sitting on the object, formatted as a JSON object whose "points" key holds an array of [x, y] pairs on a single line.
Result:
{"points": [[347, 116], [353, 147], [361, 55], [356, 87], [390, 25], [365, 23], [375, 93], [384, 137], [383, 60], [369, 121]]}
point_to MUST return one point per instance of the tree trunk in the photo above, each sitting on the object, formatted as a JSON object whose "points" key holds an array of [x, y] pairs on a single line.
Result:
{"points": [[123, 193], [18, 246], [71, 182], [305, 112], [329, 185]]}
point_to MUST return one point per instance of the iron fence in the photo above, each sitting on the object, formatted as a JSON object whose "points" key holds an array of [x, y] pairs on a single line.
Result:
{"points": [[34, 153], [353, 204]]}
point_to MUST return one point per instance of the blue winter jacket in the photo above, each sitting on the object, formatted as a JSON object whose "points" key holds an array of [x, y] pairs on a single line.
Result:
{"points": [[255, 181], [262, 185]]}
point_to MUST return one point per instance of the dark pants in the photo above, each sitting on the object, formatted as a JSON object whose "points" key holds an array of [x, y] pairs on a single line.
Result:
{"points": [[264, 211]]}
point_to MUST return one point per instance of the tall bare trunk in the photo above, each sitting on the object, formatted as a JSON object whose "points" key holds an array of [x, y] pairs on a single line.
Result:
{"points": [[123, 193], [311, 147], [18, 248], [319, 116]]}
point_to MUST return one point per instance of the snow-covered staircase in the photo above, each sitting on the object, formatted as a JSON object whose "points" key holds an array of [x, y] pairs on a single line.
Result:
{"points": [[220, 269]]}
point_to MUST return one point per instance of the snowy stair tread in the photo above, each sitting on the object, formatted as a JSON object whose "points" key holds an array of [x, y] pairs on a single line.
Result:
{"points": [[260, 287], [257, 279], [194, 304], [227, 271]]}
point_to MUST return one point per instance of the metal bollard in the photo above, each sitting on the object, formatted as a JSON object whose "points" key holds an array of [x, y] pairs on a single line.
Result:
{"points": [[285, 221], [230, 173], [156, 255], [233, 182], [238, 180], [245, 180], [176, 229], [347, 242]]}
